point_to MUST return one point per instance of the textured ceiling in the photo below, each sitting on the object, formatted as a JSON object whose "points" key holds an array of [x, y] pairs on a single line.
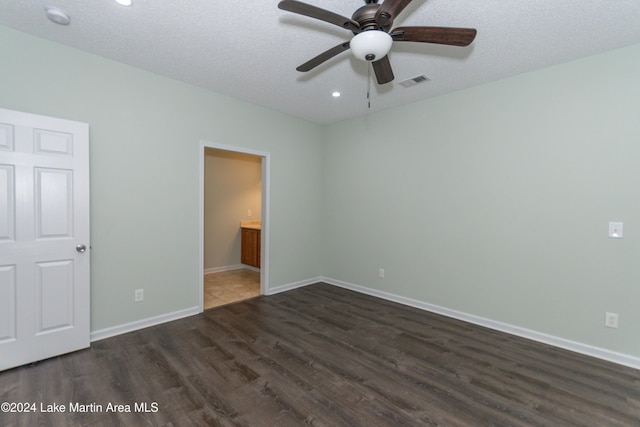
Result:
{"points": [[249, 49]]}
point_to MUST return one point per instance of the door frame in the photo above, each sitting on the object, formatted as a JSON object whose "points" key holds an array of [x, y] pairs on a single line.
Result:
{"points": [[266, 188]]}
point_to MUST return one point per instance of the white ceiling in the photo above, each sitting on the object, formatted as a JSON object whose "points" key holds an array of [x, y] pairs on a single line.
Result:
{"points": [[249, 49]]}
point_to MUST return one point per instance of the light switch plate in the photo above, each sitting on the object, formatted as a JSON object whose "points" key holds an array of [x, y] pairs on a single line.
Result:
{"points": [[615, 230]]}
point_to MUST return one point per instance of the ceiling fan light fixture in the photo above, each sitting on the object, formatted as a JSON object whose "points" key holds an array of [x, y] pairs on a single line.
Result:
{"points": [[371, 45]]}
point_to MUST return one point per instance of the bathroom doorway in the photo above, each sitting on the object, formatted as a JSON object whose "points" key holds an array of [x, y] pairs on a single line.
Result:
{"points": [[234, 194]]}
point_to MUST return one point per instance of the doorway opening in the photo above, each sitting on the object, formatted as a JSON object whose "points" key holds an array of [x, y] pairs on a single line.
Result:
{"points": [[234, 204]]}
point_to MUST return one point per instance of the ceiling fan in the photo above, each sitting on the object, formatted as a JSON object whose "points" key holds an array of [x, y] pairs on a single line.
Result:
{"points": [[371, 25]]}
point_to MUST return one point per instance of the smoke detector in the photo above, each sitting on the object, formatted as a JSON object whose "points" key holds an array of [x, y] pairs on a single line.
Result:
{"points": [[57, 15]]}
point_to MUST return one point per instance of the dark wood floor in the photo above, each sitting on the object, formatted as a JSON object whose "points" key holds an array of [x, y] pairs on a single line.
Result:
{"points": [[321, 355]]}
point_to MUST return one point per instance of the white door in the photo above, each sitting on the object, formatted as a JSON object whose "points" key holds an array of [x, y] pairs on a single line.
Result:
{"points": [[44, 237]]}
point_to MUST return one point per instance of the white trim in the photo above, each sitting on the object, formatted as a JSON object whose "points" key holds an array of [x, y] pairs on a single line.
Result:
{"points": [[266, 197], [224, 268], [295, 285], [265, 237], [230, 268], [141, 324], [586, 349]]}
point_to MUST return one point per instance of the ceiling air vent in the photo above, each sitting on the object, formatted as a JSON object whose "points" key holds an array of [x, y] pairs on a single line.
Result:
{"points": [[414, 81]]}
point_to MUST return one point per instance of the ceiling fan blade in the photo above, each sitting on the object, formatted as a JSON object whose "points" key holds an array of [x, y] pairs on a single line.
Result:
{"points": [[383, 71], [440, 35], [318, 13], [388, 11], [324, 56]]}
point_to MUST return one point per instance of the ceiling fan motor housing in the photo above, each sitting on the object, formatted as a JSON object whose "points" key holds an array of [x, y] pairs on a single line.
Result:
{"points": [[366, 17]]}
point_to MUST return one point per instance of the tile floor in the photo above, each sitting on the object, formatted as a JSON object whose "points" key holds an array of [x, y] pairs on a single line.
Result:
{"points": [[230, 286]]}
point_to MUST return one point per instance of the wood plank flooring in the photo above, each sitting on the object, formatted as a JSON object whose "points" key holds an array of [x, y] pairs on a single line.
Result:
{"points": [[324, 356]]}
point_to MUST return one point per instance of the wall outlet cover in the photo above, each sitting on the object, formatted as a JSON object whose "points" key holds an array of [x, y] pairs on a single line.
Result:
{"points": [[611, 320]]}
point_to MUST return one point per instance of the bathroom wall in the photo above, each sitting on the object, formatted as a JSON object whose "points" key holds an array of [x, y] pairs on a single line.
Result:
{"points": [[233, 187]]}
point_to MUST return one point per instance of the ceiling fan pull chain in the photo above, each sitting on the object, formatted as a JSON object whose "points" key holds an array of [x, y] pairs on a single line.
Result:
{"points": [[369, 86]]}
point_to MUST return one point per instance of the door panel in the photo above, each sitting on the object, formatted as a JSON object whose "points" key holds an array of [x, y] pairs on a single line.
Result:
{"points": [[7, 303], [53, 200], [6, 137], [7, 204], [54, 295], [49, 142], [44, 215]]}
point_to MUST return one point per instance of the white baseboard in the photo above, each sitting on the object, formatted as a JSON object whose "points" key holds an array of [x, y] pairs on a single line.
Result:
{"points": [[223, 268], [586, 349], [589, 350], [231, 268], [290, 286], [250, 267], [168, 317], [141, 324], [156, 320]]}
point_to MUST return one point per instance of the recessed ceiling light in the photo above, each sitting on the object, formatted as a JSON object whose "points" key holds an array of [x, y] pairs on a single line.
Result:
{"points": [[336, 94], [124, 2], [57, 15]]}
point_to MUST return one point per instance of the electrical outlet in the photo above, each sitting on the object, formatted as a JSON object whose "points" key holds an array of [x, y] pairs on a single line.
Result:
{"points": [[381, 273], [249, 212], [611, 320], [138, 295]]}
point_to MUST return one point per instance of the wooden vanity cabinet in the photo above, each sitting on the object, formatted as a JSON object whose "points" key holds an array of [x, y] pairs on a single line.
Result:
{"points": [[250, 247]]}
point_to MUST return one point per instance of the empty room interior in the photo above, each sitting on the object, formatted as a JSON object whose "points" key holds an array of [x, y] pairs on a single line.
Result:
{"points": [[463, 258]]}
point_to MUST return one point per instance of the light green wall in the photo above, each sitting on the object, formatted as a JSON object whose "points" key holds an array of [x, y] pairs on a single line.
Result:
{"points": [[495, 201], [145, 132], [232, 187], [492, 201]]}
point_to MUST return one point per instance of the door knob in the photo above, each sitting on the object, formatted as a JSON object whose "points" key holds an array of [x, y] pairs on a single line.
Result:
{"points": [[81, 248]]}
